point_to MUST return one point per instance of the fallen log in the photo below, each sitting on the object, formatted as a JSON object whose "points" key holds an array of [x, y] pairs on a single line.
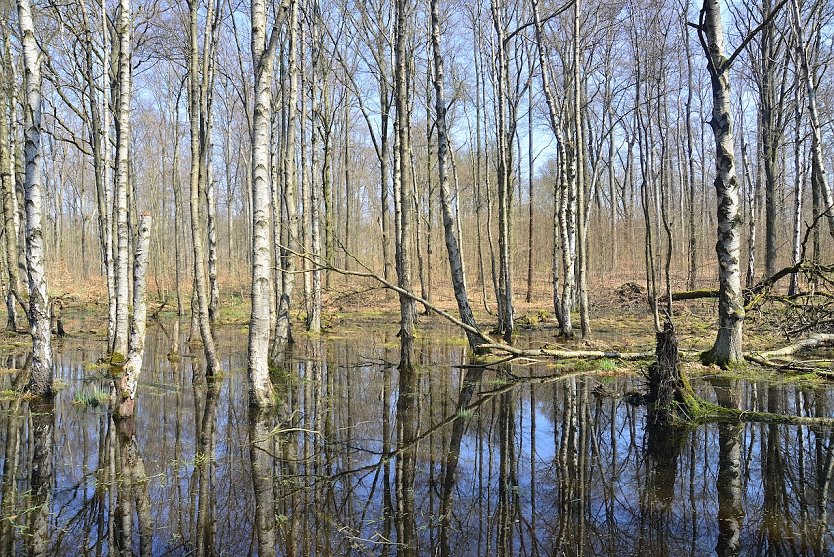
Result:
{"points": [[758, 288], [567, 354], [692, 295], [771, 358]]}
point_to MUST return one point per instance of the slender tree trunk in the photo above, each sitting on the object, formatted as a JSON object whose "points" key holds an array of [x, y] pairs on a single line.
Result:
{"points": [[128, 381], [692, 243], [799, 177], [451, 235], [9, 206], [283, 330], [314, 317], [529, 296], [199, 174], [260, 385], [42, 375], [123, 138], [727, 348], [582, 206], [565, 189], [818, 172], [506, 323], [402, 206]]}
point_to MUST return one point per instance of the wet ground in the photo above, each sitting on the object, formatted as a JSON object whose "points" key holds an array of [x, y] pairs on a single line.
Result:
{"points": [[517, 460]]}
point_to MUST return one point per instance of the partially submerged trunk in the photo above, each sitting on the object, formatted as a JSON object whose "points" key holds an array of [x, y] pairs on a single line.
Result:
{"points": [[40, 381], [127, 382], [452, 238], [283, 329], [198, 110], [9, 205], [260, 385], [727, 348], [402, 201], [123, 138]]}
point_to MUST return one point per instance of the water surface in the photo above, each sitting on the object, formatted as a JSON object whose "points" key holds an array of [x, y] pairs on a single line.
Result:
{"points": [[450, 460]]}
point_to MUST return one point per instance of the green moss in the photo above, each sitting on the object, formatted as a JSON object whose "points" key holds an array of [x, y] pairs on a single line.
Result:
{"points": [[8, 394], [94, 366]]}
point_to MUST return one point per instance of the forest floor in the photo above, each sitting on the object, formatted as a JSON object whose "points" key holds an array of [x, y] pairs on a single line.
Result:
{"points": [[620, 321]]}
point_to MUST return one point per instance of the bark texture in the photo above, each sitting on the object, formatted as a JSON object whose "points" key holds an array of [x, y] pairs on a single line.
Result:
{"points": [[41, 378], [449, 228], [129, 379], [123, 137], [260, 385], [727, 348]]}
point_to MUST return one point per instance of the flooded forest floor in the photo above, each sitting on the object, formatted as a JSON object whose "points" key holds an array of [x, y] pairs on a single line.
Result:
{"points": [[530, 457]]}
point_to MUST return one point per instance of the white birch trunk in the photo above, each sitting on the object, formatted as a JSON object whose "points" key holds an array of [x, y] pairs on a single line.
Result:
{"points": [[818, 172], [727, 348], [314, 317], [199, 175], [120, 343], [128, 381], [449, 225], [260, 385], [41, 379], [283, 328]]}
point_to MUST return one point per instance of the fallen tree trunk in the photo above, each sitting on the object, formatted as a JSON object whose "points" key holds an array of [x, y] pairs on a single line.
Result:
{"points": [[567, 354], [776, 358], [814, 341], [758, 288]]}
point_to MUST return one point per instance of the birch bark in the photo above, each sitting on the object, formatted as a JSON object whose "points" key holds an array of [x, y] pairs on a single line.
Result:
{"points": [[727, 348], [41, 378], [127, 383], [452, 238], [260, 385]]}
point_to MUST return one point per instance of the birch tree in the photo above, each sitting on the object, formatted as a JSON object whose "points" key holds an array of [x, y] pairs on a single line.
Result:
{"points": [[7, 186], [42, 375], [263, 55], [819, 179], [123, 138], [402, 194], [128, 381], [283, 332], [449, 225], [199, 95], [726, 350]]}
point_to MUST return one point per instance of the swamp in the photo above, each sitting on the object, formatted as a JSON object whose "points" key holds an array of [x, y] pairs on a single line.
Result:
{"points": [[415, 278], [522, 458]]}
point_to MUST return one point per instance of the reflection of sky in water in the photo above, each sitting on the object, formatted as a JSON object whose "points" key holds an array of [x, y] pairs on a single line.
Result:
{"points": [[597, 490]]}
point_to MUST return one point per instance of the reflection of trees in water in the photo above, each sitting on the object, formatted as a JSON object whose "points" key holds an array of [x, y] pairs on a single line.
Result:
{"points": [[516, 461], [775, 538], [42, 429], [11, 465], [407, 428], [728, 482], [450, 466], [664, 443], [508, 495], [132, 491], [204, 467], [260, 454]]}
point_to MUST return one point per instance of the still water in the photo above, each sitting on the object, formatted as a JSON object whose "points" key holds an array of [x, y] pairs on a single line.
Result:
{"points": [[454, 460]]}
